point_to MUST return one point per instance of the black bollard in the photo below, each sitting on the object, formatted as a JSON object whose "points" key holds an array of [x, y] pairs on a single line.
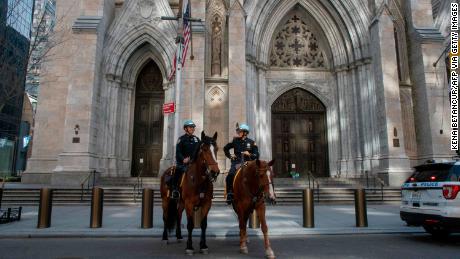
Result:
{"points": [[1, 196], [360, 208], [147, 208], [308, 208], [44, 209], [254, 220], [97, 204]]}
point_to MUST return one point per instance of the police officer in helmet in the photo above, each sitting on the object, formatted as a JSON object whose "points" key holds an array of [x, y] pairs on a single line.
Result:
{"points": [[185, 148], [244, 149]]}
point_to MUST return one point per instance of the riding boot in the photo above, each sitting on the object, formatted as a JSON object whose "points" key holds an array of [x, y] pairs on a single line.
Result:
{"points": [[175, 183], [229, 183]]}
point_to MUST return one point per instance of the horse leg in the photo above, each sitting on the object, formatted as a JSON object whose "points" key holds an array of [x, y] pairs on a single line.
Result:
{"points": [[263, 226], [203, 246], [189, 212], [180, 210], [165, 229], [204, 225], [243, 219]]}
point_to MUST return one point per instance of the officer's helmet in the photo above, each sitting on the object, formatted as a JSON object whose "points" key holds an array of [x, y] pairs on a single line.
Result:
{"points": [[244, 127], [189, 123]]}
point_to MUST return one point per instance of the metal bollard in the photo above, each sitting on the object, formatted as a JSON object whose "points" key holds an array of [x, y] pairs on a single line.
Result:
{"points": [[97, 204], [308, 208], [197, 218], [360, 208], [44, 209], [254, 220], [1, 196], [147, 208]]}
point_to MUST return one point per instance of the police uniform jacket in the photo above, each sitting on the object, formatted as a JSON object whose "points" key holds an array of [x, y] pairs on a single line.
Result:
{"points": [[185, 147], [240, 145]]}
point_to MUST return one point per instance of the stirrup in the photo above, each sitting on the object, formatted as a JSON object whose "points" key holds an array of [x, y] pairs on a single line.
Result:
{"points": [[175, 194]]}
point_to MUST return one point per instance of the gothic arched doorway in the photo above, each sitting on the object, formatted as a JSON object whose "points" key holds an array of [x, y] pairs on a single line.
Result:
{"points": [[299, 134], [148, 121]]}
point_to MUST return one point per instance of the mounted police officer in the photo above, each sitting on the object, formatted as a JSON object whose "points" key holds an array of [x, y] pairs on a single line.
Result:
{"points": [[185, 148], [244, 149]]}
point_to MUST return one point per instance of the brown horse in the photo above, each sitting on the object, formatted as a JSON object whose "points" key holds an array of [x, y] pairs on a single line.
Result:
{"points": [[251, 185], [196, 191]]}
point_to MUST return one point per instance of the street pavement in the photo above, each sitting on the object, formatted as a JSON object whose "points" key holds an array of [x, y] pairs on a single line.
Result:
{"points": [[124, 221], [385, 246]]}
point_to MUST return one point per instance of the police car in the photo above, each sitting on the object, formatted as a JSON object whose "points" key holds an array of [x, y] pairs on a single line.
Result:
{"points": [[430, 198]]}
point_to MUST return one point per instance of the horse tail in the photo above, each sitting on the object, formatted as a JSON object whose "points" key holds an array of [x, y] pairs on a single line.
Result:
{"points": [[172, 215]]}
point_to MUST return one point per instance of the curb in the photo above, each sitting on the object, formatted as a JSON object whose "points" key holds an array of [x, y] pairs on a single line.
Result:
{"points": [[141, 233]]}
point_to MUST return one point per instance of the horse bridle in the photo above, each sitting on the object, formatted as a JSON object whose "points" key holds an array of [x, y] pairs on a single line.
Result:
{"points": [[208, 171], [260, 192]]}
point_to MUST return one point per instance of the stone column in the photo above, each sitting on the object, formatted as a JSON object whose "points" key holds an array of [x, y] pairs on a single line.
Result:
{"points": [[192, 95], [394, 164], [111, 118], [263, 110], [366, 115], [237, 67], [429, 83], [344, 122]]}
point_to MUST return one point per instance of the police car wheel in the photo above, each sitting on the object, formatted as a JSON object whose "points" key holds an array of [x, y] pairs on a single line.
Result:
{"points": [[437, 231]]}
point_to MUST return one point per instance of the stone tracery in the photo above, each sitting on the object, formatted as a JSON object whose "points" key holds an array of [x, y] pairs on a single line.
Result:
{"points": [[295, 45]]}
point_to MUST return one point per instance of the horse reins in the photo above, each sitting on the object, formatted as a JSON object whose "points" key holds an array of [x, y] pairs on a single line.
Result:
{"points": [[208, 171]]}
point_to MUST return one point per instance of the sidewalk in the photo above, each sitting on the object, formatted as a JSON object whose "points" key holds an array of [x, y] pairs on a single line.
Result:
{"points": [[124, 221]]}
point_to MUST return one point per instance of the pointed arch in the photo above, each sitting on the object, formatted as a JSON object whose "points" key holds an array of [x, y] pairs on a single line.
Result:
{"points": [[344, 24]]}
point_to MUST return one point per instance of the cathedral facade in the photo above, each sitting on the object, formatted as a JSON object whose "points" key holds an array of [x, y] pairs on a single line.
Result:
{"points": [[330, 88]]}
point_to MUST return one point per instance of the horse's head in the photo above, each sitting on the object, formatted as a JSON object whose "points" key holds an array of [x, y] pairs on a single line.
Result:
{"points": [[265, 175], [209, 155]]}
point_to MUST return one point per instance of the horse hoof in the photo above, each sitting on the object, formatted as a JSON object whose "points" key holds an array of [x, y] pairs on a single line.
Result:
{"points": [[179, 240], [204, 251], [189, 251], [165, 242], [269, 254], [244, 250]]}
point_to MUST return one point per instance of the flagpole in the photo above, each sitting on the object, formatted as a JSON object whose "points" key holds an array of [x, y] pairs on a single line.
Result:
{"points": [[177, 94], [178, 71], [177, 90]]}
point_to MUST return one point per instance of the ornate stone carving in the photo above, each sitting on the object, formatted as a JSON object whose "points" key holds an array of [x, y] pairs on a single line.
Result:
{"points": [[145, 8], [150, 79], [298, 100], [294, 45], [215, 96], [216, 46]]}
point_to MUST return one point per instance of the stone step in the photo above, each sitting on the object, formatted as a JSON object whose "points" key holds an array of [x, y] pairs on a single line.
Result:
{"points": [[125, 195]]}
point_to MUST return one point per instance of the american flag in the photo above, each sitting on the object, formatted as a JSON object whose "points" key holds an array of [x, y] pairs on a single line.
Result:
{"points": [[183, 51]]}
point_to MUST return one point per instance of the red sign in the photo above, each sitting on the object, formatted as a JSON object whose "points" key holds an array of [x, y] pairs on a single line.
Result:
{"points": [[169, 108]]}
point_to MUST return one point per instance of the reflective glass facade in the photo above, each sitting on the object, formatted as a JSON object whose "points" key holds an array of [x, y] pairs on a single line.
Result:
{"points": [[20, 16]]}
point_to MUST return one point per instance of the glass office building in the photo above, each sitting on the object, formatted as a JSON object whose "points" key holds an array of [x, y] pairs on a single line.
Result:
{"points": [[15, 27]]}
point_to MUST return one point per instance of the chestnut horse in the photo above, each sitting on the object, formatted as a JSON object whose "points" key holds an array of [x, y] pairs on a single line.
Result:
{"points": [[196, 191], [252, 183]]}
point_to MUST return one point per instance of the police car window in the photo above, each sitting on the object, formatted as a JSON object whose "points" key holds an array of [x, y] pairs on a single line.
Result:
{"points": [[426, 172], [425, 176], [454, 175]]}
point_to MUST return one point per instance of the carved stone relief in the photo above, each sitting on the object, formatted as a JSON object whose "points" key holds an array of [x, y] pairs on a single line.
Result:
{"points": [[295, 45], [216, 46], [146, 8]]}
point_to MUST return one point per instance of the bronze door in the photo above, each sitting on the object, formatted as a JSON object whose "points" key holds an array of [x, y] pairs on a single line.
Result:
{"points": [[148, 122], [299, 134]]}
